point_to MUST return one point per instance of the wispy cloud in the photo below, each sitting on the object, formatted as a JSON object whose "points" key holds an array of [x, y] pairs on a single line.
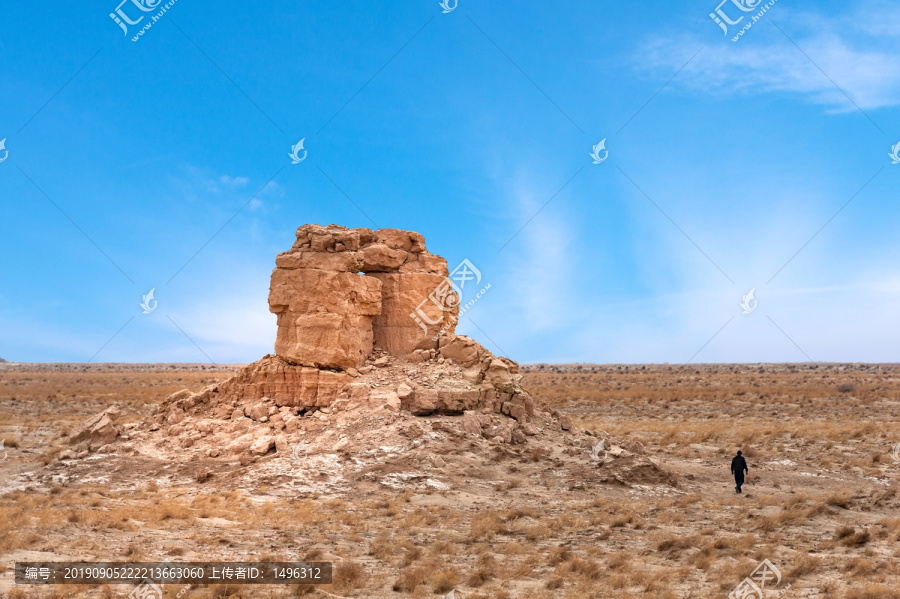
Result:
{"points": [[856, 50]]}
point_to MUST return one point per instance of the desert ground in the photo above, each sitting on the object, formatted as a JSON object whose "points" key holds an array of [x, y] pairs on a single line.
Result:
{"points": [[413, 508]]}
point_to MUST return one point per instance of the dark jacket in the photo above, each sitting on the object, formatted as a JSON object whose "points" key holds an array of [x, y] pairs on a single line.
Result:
{"points": [[739, 464]]}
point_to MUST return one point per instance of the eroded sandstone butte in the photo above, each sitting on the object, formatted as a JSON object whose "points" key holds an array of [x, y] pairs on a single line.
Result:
{"points": [[329, 316], [366, 322]]}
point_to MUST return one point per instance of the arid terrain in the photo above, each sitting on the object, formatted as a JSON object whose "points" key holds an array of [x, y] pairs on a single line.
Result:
{"points": [[409, 506]]}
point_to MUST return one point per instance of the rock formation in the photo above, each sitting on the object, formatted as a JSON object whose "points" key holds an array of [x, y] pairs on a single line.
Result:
{"points": [[369, 382], [341, 294], [365, 319], [96, 433], [330, 317]]}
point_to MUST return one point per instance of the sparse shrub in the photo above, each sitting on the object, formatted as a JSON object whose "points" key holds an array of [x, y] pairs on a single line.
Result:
{"points": [[409, 579], [848, 536], [554, 583], [587, 569], [484, 526], [846, 388], [484, 570], [313, 555], [870, 591], [843, 532], [382, 547], [348, 575], [558, 555], [839, 498], [412, 554], [806, 564], [444, 581], [676, 543]]}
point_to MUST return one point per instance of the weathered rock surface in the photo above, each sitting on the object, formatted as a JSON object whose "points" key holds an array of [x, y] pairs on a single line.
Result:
{"points": [[366, 325], [330, 317], [97, 431], [324, 317]]}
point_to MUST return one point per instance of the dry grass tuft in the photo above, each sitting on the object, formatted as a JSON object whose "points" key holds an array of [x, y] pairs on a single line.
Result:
{"points": [[348, 575], [444, 581], [410, 579]]}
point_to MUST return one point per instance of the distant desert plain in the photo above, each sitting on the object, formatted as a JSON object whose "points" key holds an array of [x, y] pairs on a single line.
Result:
{"points": [[407, 505]]}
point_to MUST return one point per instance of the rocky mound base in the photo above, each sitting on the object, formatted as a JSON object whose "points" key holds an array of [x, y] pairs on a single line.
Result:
{"points": [[264, 407], [365, 358]]}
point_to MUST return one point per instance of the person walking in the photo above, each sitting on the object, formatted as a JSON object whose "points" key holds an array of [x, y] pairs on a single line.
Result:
{"points": [[738, 467]]}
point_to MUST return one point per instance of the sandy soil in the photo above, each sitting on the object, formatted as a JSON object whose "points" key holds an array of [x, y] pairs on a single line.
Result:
{"points": [[412, 506]]}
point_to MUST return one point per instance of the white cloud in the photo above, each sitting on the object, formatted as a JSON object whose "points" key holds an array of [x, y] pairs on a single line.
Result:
{"points": [[233, 329], [233, 182], [856, 51]]}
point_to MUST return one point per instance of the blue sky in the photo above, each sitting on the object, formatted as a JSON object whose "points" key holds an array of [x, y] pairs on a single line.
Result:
{"points": [[163, 163]]}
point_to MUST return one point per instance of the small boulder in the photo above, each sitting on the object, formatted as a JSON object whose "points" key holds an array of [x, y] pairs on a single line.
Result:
{"points": [[97, 431], [262, 445], [256, 411]]}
